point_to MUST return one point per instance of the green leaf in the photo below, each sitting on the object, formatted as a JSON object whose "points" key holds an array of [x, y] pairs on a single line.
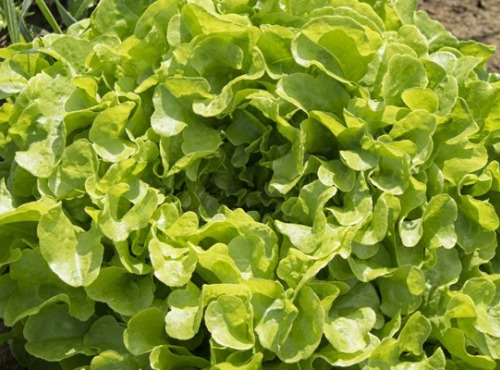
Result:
{"points": [[67, 46], [404, 72], [438, 222], [447, 268], [32, 285], [125, 293], [53, 334], [107, 131], [170, 357], [455, 342], [482, 212], [330, 96], [168, 118], [336, 173], [215, 265], [117, 361], [37, 123], [251, 256], [172, 265], [117, 16], [293, 332], [137, 217], [105, 334], [336, 358], [145, 331], [239, 360], [73, 254], [6, 204], [345, 48], [417, 127], [78, 163], [357, 205], [275, 45], [185, 315], [348, 334], [414, 334], [243, 184], [11, 81], [420, 98], [230, 322], [402, 290]]}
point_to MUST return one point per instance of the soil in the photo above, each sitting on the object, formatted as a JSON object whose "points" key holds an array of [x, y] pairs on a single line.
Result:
{"points": [[469, 20], [7, 361]]}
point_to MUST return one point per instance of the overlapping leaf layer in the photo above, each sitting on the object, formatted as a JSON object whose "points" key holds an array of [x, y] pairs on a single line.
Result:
{"points": [[243, 184]]}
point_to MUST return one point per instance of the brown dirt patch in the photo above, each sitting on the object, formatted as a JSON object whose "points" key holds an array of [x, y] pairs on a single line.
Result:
{"points": [[469, 19], [7, 361]]}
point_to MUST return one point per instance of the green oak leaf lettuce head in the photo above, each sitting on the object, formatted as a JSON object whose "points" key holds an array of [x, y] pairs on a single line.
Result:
{"points": [[250, 184]]}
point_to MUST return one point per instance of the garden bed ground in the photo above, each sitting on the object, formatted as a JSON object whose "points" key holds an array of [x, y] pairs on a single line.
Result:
{"points": [[7, 362], [469, 19], [466, 19]]}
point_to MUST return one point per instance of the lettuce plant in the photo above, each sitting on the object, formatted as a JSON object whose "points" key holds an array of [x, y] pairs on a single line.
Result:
{"points": [[247, 184]]}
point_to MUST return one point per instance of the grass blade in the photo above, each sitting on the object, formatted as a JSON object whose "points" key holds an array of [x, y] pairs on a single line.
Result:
{"points": [[48, 15], [12, 21], [83, 5], [23, 28], [25, 6], [25, 31], [66, 16]]}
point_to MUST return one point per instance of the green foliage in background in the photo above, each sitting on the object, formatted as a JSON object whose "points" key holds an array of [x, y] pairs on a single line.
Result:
{"points": [[243, 184], [15, 16]]}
